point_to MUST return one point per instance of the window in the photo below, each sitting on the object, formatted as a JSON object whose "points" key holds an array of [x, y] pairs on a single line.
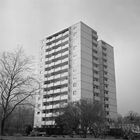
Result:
{"points": [[94, 57], [95, 79], [104, 60], [94, 51], [96, 65], [105, 92], [107, 113], [104, 54], [96, 87], [105, 66], [106, 85], [107, 105], [105, 72], [95, 71], [105, 79], [106, 99]]}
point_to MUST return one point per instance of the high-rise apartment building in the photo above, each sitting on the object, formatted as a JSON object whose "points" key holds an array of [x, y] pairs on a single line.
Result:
{"points": [[74, 65]]}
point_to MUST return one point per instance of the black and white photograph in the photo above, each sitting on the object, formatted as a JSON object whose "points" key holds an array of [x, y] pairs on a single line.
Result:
{"points": [[69, 69]]}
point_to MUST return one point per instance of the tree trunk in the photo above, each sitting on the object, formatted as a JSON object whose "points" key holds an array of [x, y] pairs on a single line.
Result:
{"points": [[2, 126]]}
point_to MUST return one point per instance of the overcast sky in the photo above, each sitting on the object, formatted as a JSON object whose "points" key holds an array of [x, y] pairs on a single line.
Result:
{"points": [[26, 22]]}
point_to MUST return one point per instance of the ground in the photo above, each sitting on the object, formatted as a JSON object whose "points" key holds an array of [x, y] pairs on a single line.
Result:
{"points": [[50, 138]]}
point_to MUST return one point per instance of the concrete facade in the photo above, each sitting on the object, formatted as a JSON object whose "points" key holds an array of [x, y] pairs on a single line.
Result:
{"points": [[74, 65]]}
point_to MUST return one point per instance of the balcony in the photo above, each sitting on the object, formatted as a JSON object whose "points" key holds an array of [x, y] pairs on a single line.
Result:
{"points": [[50, 85], [49, 99], [56, 90], [63, 105], [49, 122], [57, 69], [65, 60], [44, 86], [66, 39], [51, 58], [65, 53], [58, 62], [52, 51], [58, 42], [64, 82], [44, 107], [46, 114], [49, 78], [56, 106], [56, 114], [56, 98], [64, 74], [58, 36], [64, 89], [44, 99], [65, 67], [52, 64], [49, 107], [50, 92], [66, 33], [47, 53], [64, 97], [58, 55], [58, 49], [50, 71], [57, 83], [65, 46], [57, 76], [47, 41]]}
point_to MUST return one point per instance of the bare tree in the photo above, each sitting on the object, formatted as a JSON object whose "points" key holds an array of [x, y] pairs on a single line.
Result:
{"points": [[131, 117], [81, 117], [69, 120], [17, 82], [91, 117]]}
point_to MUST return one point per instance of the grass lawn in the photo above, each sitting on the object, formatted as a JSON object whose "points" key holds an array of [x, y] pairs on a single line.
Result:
{"points": [[50, 138]]}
